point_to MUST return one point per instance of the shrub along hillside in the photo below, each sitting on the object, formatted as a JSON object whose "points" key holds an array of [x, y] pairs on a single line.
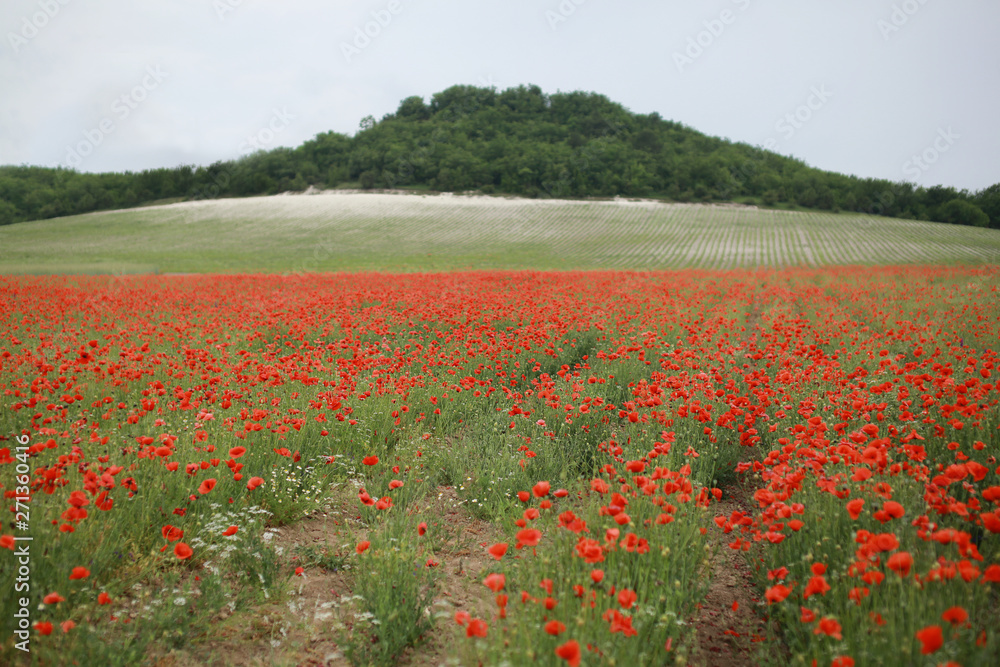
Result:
{"points": [[518, 141]]}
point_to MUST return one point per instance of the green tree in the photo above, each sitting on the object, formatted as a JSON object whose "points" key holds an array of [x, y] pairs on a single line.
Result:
{"points": [[988, 200], [413, 108], [961, 212], [8, 214]]}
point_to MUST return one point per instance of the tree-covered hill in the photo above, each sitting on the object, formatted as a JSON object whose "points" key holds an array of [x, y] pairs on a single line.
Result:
{"points": [[517, 141]]}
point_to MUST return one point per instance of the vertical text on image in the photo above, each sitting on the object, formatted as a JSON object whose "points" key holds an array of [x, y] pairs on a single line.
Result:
{"points": [[22, 552]]}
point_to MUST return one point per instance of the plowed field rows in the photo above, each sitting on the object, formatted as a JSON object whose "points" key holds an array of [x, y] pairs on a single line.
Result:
{"points": [[337, 231]]}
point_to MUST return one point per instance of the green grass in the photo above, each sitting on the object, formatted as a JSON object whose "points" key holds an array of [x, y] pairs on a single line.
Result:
{"points": [[357, 232]]}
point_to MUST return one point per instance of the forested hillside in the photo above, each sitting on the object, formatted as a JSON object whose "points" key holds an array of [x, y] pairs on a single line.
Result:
{"points": [[518, 141]]}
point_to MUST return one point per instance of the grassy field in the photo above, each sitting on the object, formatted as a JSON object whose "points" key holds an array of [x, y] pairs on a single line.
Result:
{"points": [[393, 232]]}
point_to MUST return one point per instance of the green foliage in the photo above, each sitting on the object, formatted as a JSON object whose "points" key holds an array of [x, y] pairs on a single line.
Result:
{"points": [[989, 201], [518, 141], [394, 590], [961, 212]]}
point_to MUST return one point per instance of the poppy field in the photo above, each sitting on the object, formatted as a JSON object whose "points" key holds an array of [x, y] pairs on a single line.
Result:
{"points": [[501, 467]]}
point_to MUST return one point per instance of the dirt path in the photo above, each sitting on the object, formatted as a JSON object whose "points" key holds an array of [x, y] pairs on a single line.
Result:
{"points": [[728, 622]]}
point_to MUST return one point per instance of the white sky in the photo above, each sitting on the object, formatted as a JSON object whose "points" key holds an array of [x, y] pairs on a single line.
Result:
{"points": [[276, 70]]}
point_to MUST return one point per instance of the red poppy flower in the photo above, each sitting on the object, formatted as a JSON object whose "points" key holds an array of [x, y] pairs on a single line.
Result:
{"points": [[103, 598], [931, 639], [230, 531], [255, 482], [171, 533], [885, 542], [79, 573], [540, 489], [597, 576], [893, 509], [777, 593], [570, 652], [828, 626], [529, 537], [495, 582], [817, 584], [589, 550], [621, 623], [476, 628], [207, 486], [627, 598], [182, 551], [370, 460], [498, 550], [67, 625], [955, 615], [43, 627], [362, 546], [237, 452], [421, 528], [53, 598], [555, 628], [900, 563]]}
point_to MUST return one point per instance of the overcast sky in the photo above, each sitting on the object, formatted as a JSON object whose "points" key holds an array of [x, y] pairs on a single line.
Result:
{"points": [[903, 90]]}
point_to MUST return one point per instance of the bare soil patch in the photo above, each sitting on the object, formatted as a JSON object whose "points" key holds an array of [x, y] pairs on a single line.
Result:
{"points": [[301, 628], [728, 622]]}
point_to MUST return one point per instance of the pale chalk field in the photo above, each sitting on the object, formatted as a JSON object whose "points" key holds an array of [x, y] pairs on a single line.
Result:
{"points": [[338, 231]]}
